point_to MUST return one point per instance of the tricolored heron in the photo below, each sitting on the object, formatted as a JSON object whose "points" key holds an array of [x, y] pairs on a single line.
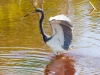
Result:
{"points": [[61, 38]]}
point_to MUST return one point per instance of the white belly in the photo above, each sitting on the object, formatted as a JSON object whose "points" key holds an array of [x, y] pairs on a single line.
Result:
{"points": [[55, 45]]}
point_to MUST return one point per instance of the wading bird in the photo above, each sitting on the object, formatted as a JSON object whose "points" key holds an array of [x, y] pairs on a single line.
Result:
{"points": [[61, 38]]}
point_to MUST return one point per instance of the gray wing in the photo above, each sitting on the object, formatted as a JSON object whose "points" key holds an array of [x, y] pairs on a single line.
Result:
{"points": [[63, 30], [67, 30]]}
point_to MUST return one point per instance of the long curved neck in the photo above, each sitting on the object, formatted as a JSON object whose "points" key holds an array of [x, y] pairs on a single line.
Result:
{"points": [[41, 28]]}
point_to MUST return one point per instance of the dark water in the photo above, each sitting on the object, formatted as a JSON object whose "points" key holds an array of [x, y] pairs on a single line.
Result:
{"points": [[22, 50]]}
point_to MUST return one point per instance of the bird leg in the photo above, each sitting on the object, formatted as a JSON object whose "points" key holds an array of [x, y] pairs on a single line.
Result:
{"points": [[61, 54]]}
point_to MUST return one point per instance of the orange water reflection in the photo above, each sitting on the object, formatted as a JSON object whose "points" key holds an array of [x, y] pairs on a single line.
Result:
{"points": [[60, 65]]}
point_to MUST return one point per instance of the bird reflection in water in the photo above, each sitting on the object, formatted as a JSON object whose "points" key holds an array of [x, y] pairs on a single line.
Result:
{"points": [[76, 62], [60, 65]]}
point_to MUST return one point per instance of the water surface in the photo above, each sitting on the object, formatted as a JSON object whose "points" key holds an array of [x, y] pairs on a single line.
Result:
{"points": [[22, 50]]}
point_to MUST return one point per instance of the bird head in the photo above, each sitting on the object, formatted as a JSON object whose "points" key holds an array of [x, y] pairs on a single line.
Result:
{"points": [[34, 12], [38, 10]]}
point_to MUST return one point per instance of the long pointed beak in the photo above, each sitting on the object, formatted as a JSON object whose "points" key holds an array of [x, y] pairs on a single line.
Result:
{"points": [[30, 13]]}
